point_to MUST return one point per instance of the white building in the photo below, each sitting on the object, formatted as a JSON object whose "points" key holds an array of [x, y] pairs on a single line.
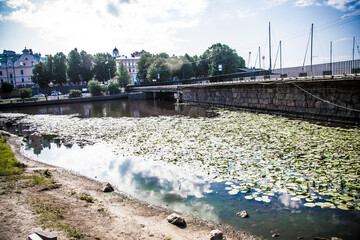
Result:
{"points": [[130, 63]]}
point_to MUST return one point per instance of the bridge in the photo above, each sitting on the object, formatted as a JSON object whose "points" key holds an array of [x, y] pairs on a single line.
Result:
{"points": [[326, 98]]}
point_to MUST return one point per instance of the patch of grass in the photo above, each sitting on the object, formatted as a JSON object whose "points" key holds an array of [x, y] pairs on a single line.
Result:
{"points": [[8, 164], [87, 198], [72, 192], [52, 217]]}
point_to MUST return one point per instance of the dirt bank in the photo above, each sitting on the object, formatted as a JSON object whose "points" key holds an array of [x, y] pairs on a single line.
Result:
{"points": [[105, 216]]}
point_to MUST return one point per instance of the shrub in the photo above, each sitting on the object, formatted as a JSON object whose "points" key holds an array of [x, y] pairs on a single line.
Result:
{"points": [[95, 88], [75, 93], [7, 87], [113, 87], [25, 92]]}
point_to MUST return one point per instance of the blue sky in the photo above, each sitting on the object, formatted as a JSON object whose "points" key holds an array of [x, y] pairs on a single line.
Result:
{"points": [[184, 26]]}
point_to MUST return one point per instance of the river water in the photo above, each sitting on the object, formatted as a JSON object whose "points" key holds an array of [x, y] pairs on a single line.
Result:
{"points": [[294, 178]]}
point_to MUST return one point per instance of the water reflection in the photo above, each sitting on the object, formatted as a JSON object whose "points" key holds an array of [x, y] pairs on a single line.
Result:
{"points": [[155, 182], [119, 108]]}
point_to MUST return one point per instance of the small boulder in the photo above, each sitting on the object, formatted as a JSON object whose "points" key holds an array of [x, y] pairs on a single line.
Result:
{"points": [[243, 214], [336, 238], [216, 235], [107, 187], [176, 220], [275, 235]]}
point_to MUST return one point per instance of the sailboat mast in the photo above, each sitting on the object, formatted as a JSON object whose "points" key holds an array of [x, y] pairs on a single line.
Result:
{"points": [[270, 45], [312, 37]]}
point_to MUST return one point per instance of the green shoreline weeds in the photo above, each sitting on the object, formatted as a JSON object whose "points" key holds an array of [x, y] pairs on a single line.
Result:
{"points": [[258, 155]]}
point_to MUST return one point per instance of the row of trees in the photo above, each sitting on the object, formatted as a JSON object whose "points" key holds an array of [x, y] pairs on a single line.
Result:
{"points": [[162, 67], [76, 67]]}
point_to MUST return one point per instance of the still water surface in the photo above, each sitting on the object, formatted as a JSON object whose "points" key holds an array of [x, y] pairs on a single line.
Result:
{"points": [[177, 187]]}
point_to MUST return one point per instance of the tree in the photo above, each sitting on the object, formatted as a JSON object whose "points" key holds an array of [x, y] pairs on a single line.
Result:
{"points": [[74, 66], [40, 75], [221, 54], [25, 92], [7, 87], [113, 87], [87, 62], [159, 71], [104, 66], [49, 67], [123, 78], [143, 65], [94, 88], [59, 70]]}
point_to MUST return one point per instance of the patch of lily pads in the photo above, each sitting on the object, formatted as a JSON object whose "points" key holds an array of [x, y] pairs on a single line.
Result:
{"points": [[257, 155]]}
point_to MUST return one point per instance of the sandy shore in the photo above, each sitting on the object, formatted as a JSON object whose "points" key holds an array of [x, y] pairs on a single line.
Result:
{"points": [[111, 216]]}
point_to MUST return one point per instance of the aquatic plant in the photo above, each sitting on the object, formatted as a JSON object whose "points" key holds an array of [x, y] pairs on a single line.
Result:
{"points": [[261, 154]]}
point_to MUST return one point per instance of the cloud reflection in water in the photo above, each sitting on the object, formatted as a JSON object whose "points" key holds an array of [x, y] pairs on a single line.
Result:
{"points": [[155, 182]]}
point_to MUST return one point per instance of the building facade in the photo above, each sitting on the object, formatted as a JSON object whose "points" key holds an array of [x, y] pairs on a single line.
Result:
{"points": [[17, 69], [130, 63]]}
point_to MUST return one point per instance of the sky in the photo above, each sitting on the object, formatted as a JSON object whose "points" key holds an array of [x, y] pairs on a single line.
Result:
{"points": [[186, 26]]}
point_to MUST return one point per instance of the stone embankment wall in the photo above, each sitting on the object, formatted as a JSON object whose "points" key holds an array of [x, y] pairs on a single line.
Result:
{"points": [[326, 100]]}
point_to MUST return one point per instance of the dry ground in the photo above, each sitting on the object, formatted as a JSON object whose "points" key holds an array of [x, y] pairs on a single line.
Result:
{"points": [[110, 215]]}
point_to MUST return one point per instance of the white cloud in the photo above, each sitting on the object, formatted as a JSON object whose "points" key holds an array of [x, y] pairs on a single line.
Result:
{"points": [[93, 25], [343, 5], [245, 13], [342, 39], [18, 3], [305, 3]]}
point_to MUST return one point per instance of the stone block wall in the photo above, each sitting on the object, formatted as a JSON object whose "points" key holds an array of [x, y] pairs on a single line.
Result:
{"points": [[319, 100]]}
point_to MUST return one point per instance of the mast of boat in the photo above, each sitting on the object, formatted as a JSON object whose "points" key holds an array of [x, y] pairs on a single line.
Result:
{"points": [[270, 45], [312, 37], [259, 58], [280, 59], [331, 57], [353, 55]]}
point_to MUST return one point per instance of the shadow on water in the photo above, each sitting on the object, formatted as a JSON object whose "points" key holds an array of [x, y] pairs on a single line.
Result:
{"points": [[119, 108]]}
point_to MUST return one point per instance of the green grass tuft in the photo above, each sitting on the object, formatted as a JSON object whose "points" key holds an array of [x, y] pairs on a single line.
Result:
{"points": [[8, 164]]}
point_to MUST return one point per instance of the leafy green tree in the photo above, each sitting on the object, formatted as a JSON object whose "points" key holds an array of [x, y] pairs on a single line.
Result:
{"points": [[104, 66], [49, 67], [74, 66], [143, 65], [113, 87], [159, 71], [95, 88], [221, 54], [59, 69], [7, 87], [87, 62], [40, 75], [25, 92], [123, 78]]}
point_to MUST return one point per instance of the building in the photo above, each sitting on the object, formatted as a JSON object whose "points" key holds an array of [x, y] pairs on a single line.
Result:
{"points": [[17, 69], [130, 63]]}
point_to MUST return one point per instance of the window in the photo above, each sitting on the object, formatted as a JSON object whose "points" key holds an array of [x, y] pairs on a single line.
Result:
{"points": [[22, 80], [0, 73], [10, 75], [22, 72]]}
